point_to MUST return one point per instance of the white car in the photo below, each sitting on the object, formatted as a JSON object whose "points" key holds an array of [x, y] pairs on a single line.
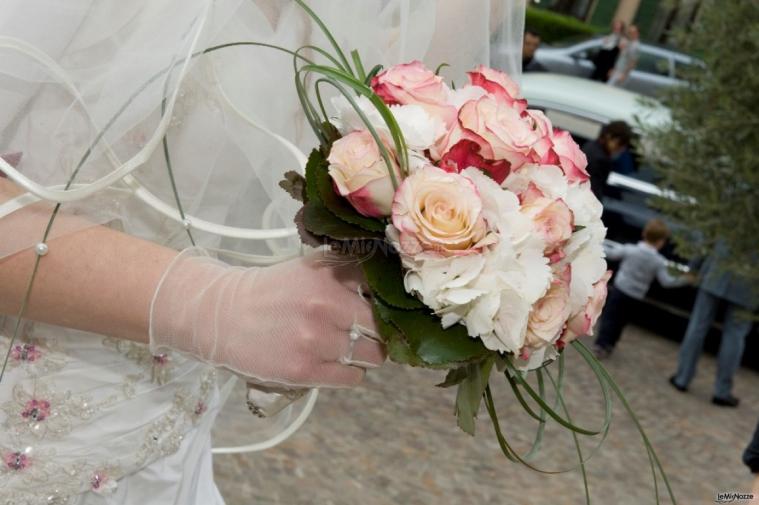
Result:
{"points": [[657, 68]]}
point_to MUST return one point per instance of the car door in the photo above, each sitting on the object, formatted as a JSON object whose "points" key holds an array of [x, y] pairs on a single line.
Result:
{"points": [[653, 72]]}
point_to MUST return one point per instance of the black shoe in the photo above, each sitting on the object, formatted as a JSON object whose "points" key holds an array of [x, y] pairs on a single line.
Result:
{"points": [[677, 386], [730, 401]]}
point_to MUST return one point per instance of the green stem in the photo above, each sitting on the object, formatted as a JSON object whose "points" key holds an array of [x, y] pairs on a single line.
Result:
{"points": [[575, 439], [653, 458], [327, 34]]}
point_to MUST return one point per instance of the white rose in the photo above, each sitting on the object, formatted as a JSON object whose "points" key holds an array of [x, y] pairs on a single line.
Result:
{"points": [[420, 129]]}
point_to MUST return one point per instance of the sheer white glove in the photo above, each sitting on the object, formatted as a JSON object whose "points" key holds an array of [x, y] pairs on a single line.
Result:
{"points": [[299, 323]]}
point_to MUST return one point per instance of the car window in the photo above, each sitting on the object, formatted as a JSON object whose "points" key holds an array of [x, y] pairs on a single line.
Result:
{"points": [[653, 63], [582, 129]]}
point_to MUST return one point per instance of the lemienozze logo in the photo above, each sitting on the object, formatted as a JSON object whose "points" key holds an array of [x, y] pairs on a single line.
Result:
{"points": [[733, 497]]}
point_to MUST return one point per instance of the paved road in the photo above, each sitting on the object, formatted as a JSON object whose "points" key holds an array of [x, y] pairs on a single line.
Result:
{"points": [[394, 441]]}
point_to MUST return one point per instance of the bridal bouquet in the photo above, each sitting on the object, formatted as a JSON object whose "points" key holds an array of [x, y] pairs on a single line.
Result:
{"points": [[472, 219]]}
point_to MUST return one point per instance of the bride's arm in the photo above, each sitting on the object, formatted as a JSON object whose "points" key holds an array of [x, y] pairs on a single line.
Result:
{"points": [[96, 279], [244, 319]]}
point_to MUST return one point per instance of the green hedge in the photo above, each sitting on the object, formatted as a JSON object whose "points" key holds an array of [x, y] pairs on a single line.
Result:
{"points": [[554, 27]]}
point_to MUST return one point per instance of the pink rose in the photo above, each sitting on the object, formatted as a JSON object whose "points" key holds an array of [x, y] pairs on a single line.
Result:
{"points": [[439, 212], [542, 152], [583, 323], [466, 153], [552, 219], [550, 313], [414, 84], [360, 174], [497, 83], [570, 158], [501, 131]]}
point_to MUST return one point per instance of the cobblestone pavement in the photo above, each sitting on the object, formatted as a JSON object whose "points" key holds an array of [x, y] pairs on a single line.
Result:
{"points": [[394, 441]]}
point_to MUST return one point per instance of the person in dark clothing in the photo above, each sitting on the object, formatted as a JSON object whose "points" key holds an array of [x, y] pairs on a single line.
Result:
{"points": [[606, 57], [751, 458], [531, 44], [719, 287], [615, 137]]}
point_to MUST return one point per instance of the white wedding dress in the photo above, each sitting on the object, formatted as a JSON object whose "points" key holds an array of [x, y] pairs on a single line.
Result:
{"points": [[86, 419]]}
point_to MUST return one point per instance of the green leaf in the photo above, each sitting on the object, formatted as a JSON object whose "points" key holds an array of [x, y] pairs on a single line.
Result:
{"points": [[426, 337], [320, 221], [339, 206], [397, 349], [315, 159], [384, 275], [295, 185], [331, 133], [469, 394], [454, 377]]}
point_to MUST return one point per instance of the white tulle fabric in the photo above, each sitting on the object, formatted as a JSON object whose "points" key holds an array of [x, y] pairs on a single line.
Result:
{"points": [[240, 319], [88, 90]]}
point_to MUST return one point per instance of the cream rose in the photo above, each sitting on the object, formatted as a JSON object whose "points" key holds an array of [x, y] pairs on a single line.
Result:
{"points": [[361, 175], [439, 212], [583, 323], [550, 313], [552, 219]]}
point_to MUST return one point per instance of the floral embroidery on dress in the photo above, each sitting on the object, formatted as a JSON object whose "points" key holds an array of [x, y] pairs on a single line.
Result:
{"points": [[160, 366], [43, 413], [33, 476], [36, 356]]}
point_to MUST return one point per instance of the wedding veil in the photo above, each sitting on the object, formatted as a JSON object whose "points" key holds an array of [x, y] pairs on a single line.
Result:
{"points": [[157, 117]]}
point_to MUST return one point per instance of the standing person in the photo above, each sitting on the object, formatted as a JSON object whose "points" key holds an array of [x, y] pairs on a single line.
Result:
{"points": [[717, 287], [606, 57], [629, 52], [529, 46], [614, 138], [751, 460], [641, 264]]}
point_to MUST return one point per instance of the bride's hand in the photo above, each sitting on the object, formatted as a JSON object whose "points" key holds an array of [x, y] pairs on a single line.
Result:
{"points": [[299, 323]]}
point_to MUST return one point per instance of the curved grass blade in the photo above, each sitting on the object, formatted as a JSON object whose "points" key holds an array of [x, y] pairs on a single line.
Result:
{"points": [[543, 405], [653, 458], [326, 33], [575, 439], [386, 156], [359, 66], [384, 111], [372, 74]]}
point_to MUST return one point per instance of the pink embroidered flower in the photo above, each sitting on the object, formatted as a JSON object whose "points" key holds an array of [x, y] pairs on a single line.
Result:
{"points": [[36, 410], [25, 352], [101, 483], [16, 461], [161, 359], [200, 408]]}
